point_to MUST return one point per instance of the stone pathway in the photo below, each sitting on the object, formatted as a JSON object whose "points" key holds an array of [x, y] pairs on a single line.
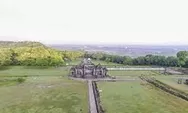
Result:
{"points": [[92, 101]]}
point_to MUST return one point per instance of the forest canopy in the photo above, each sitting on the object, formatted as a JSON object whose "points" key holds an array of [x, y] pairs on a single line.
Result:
{"points": [[180, 60]]}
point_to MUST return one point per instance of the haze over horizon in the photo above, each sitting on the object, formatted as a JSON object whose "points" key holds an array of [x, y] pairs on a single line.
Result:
{"points": [[146, 22]]}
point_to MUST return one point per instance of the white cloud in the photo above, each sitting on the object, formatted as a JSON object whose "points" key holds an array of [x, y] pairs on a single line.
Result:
{"points": [[109, 21]]}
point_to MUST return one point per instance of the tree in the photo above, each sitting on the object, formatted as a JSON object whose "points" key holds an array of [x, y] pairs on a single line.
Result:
{"points": [[182, 57], [127, 60], [172, 61], [139, 61], [5, 57]]}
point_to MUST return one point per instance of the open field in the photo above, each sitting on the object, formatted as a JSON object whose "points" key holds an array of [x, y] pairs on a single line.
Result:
{"points": [[44, 95], [75, 62], [48, 90], [137, 97], [8, 81], [132, 73], [33, 71], [109, 64], [172, 81]]}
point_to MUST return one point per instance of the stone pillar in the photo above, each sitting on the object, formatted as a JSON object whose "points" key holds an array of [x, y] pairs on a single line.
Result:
{"points": [[83, 71], [94, 72], [101, 72], [75, 71]]}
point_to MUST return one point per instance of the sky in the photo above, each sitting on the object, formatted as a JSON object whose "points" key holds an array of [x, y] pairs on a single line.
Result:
{"points": [[95, 21]]}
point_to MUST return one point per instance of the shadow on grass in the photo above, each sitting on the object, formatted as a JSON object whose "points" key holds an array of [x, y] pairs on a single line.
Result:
{"points": [[37, 67], [2, 68], [9, 82]]}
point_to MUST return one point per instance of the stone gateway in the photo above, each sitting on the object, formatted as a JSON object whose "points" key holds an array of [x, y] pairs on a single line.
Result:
{"points": [[86, 69]]}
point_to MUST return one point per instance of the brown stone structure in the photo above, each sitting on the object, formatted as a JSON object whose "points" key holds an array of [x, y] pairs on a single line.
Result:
{"points": [[86, 69]]}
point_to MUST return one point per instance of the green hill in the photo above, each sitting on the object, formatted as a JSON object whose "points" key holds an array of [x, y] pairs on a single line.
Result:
{"points": [[33, 54], [12, 44]]}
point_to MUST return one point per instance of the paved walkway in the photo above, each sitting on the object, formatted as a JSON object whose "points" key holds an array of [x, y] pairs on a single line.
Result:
{"points": [[92, 101]]}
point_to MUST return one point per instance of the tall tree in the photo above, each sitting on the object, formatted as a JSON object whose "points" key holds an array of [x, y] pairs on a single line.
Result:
{"points": [[182, 57]]}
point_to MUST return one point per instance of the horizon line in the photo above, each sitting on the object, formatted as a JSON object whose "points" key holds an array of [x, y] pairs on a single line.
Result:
{"points": [[99, 43]]}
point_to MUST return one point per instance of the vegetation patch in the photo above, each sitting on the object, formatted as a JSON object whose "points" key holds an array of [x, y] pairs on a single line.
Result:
{"points": [[166, 87], [172, 81], [59, 95], [11, 81], [23, 71], [138, 97], [4, 68], [132, 73]]}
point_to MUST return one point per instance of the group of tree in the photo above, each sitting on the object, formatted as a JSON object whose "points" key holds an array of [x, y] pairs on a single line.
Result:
{"points": [[180, 60], [34, 54], [37, 54]]}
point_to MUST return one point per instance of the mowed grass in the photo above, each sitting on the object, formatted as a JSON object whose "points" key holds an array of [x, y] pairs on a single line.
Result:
{"points": [[137, 97], [8, 81], [77, 61], [107, 64], [172, 80], [34, 71], [46, 90], [44, 94], [132, 73]]}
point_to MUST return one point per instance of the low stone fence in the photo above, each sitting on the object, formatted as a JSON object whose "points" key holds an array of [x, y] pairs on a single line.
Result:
{"points": [[165, 87], [97, 97]]}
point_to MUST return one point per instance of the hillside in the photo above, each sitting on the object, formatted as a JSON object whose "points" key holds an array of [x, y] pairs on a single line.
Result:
{"points": [[33, 54], [12, 44]]}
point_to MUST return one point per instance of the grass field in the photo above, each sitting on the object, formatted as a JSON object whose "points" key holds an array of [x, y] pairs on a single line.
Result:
{"points": [[134, 97], [8, 81], [46, 90], [33, 71], [75, 62], [132, 73], [107, 64], [172, 81], [44, 95]]}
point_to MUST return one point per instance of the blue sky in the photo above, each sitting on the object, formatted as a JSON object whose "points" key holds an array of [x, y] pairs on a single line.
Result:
{"points": [[95, 21]]}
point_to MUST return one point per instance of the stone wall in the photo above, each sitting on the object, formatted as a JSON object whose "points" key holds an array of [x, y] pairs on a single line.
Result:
{"points": [[97, 97]]}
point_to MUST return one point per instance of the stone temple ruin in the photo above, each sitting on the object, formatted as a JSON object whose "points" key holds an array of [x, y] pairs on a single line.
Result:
{"points": [[86, 69]]}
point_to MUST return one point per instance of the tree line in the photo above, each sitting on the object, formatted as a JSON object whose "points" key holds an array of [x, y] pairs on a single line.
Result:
{"points": [[180, 60], [34, 54]]}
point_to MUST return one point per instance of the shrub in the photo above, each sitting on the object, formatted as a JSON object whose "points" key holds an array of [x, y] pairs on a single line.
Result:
{"points": [[21, 80]]}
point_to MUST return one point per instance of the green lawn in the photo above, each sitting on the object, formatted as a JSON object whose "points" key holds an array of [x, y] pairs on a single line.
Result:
{"points": [[75, 62], [33, 71], [172, 80], [137, 97], [44, 95], [132, 73], [4, 81], [46, 90], [107, 64]]}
